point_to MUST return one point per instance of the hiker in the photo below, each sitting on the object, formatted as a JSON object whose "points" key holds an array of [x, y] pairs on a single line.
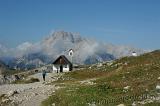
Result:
{"points": [[5, 78], [44, 74]]}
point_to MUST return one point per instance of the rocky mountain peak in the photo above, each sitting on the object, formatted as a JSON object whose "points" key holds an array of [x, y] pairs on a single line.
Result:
{"points": [[66, 36]]}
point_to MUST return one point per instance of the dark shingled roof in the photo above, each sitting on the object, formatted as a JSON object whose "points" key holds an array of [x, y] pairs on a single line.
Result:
{"points": [[62, 60]]}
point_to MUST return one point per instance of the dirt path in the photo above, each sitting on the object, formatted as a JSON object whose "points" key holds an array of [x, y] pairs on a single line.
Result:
{"points": [[29, 94]]}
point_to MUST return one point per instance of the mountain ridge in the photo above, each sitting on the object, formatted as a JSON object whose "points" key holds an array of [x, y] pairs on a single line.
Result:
{"points": [[86, 51]]}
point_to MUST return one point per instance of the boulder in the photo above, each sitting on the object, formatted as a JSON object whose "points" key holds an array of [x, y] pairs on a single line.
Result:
{"points": [[11, 93], [158, 87], [126, 88], [133, 104]]}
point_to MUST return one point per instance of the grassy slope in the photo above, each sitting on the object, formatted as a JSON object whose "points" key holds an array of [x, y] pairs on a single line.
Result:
{"points": [[140, 73], [11, 72]]}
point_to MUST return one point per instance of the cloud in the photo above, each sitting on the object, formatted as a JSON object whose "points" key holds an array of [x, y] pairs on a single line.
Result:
{"points": [[24, 46]]}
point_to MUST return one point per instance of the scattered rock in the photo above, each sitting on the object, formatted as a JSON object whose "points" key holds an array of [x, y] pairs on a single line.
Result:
{"points": [[133, 104], [30, 88], [126, 88], [158, 87], [146, 101], [125, 63], [53, 104], [5, 100], [36, 94], [26, 94], [100, 65], [121, 105], [91, 104], [146, 90], [17, 77], [11, 93], [110, 63], [87, 82]]}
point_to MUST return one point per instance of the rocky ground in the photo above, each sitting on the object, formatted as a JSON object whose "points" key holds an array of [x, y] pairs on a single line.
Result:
{"points": [[28, 94]]}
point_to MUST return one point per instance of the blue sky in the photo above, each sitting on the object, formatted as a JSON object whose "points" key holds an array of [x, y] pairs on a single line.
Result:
{"points": [[124, 22]]}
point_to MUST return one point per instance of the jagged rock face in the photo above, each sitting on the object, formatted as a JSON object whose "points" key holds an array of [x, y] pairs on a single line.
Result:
{"points": [[30, 61], [67, 36], [86, 51]]}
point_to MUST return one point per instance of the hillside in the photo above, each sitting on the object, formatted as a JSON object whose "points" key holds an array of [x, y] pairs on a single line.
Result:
{"points": [[3, 67], [126, 81]]}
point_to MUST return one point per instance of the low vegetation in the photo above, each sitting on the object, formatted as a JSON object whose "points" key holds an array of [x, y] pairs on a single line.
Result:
{"points": [[124, 81], [11, 72], [24, 81]]}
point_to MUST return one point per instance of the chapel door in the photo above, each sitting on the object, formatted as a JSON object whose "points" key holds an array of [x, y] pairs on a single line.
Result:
{"points": [[61, 68]]}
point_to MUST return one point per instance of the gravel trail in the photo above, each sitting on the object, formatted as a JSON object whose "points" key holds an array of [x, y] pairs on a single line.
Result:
{"points": [[29, 94]]}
